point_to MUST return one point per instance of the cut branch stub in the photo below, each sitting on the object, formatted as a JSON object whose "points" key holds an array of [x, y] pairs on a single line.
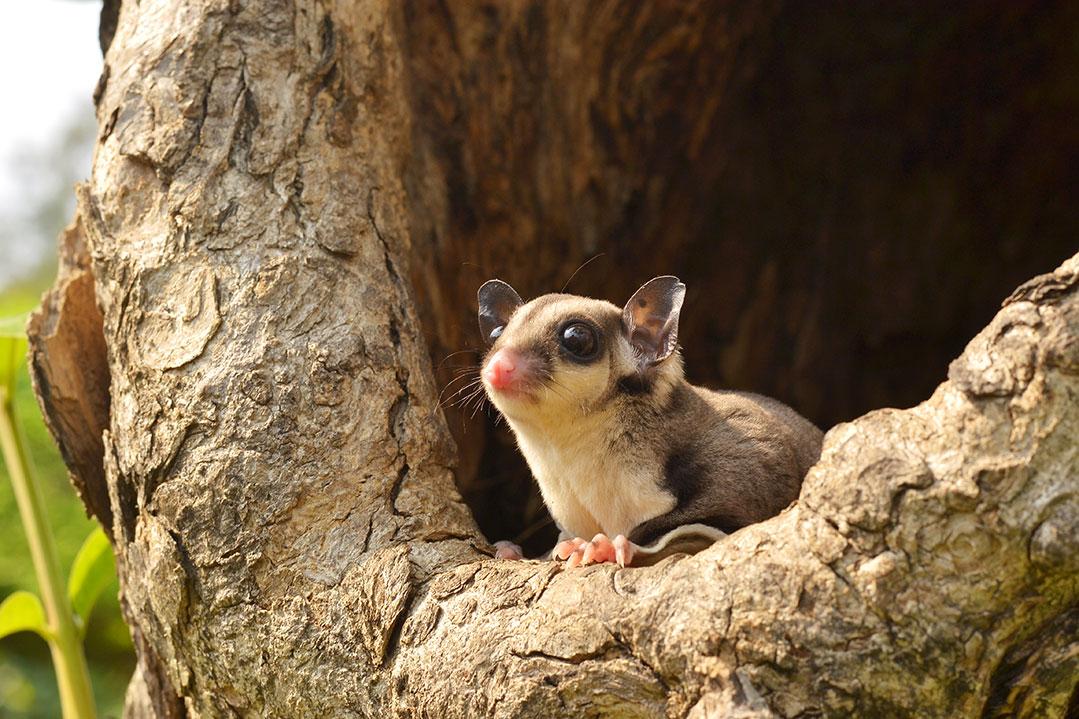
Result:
{"points": [[70, 371]]}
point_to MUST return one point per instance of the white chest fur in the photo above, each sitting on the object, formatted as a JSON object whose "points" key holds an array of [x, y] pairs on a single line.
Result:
{"points": [[587, 489]]}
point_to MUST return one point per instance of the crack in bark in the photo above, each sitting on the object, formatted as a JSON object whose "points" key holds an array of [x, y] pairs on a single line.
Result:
{"points": [[632, 652], [1010, 685], [393, 640], [575, 659], [395, 490]]}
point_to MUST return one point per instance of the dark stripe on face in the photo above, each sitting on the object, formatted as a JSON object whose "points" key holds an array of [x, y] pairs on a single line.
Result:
{"points": [[636, 384], [544, 351], [535, 307]]}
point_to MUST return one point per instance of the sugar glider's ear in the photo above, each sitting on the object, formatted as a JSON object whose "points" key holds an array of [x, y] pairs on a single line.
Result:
{"points": [[497, 303], [650, 318]]}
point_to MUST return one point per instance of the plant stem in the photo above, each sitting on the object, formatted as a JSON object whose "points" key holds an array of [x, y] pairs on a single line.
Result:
{"points": [[72, 677]]}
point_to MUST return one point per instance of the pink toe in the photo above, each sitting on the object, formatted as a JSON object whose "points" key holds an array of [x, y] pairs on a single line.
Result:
{"points": [[508, 550], [563, 549], [567, 547], [605, 551]]}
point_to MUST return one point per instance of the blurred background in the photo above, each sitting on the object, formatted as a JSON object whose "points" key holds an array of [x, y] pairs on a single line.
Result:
{"points": [[50, 53]]}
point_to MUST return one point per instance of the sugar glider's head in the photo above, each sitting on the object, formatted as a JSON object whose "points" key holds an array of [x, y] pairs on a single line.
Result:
{"points": [[563, 356]]}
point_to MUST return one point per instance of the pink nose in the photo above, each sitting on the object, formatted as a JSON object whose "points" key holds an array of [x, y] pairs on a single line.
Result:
{"points": [[501, 370]]}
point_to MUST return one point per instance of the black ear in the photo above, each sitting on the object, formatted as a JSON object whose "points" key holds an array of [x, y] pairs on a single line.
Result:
{"points": [[650, 318], [497, 302]]}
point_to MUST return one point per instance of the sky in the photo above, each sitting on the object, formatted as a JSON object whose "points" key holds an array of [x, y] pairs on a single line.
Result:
{"points": [[51, 61]]}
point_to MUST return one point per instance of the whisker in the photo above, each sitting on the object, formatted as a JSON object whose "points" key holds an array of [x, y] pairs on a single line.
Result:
{"points": [[452, 354], [459, 367], [550, 378], [460, 376], [464, 371], [462, 388], [569, 396], [465, 401], [477, 409], [556, 383], [464, 368], [586, 263], [554, 390], [480, 398], [472, 387]]}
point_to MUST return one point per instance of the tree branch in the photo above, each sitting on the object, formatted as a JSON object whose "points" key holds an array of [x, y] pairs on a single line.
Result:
{"points": [[288, 534]]}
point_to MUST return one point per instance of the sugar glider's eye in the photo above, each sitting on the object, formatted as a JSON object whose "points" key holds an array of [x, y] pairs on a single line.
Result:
{"points": [[497, 332], [579, 340]]}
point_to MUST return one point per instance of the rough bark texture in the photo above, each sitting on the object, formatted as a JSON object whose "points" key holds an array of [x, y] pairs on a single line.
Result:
{"points": [[290, 540]]}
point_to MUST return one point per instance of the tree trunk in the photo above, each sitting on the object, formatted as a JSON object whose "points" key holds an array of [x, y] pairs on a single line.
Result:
{"points": [[282, 191]]}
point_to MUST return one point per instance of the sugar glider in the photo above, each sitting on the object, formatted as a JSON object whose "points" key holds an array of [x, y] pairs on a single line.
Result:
{"points": [[633, 462]]}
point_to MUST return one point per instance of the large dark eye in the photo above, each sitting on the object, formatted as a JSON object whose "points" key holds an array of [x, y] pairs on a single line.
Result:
{"points": [[579, 340]]}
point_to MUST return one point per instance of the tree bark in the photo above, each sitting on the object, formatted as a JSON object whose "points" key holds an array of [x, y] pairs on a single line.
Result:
{"points": [[274, 204]]}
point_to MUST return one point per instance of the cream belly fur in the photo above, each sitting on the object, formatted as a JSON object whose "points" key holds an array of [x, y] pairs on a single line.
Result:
{"points": [[587, 490]]}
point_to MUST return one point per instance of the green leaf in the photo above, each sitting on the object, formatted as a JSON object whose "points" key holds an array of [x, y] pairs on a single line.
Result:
{"points": [[14, 327], [22, 612], [12, 350], [92, 571]]}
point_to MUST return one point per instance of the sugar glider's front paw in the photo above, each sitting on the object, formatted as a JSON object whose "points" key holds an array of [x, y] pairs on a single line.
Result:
{"points": [[508, 550], [579, 551]]}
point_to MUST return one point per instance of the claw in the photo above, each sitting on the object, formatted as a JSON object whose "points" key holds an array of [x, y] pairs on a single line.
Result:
{"points": [[623, 550]]}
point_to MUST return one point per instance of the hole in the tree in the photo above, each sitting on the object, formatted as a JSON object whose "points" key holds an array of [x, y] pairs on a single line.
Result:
{"points": [[846, 209], [834, 343]]}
